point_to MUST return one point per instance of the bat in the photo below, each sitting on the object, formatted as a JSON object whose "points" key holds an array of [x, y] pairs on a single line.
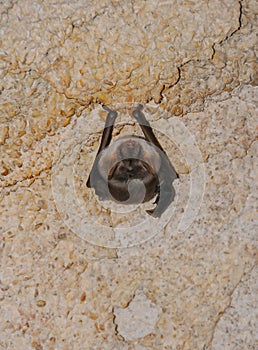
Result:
{"points": [[133, 169]]}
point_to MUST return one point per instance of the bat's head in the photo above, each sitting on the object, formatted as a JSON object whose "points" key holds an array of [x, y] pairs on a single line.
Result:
{"points": [[128, 170], [132, 181]]}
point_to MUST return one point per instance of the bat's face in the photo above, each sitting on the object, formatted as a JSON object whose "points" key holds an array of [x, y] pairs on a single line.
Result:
{"points": [[130, 167], [132, 181]]}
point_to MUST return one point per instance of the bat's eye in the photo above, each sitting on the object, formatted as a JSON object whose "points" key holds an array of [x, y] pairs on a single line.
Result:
{"points": [[123, 169], [130, 169]]}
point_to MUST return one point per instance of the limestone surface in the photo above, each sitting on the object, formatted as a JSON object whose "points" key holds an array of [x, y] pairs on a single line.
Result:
{"points": [[77, 273]]}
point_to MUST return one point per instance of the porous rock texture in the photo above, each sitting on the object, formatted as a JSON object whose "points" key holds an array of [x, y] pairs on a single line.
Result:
{"points": [[74, 269]]}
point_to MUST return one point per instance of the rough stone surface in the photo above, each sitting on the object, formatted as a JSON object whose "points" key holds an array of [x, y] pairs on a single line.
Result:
{"points": [[237, 328], [138, 319], [70, 263]]}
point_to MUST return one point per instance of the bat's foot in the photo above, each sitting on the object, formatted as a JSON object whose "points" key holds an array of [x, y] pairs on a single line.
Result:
{"points": [[110, 111], [139, 116], [138, 108], [111, 117], [137, 113]]}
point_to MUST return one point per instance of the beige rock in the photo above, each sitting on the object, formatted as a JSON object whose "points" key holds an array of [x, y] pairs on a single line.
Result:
{"points": [[74, 269], [138, 319]]}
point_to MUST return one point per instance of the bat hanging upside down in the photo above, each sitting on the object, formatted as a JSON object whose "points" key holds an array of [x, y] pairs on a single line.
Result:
{"points": [[133, 169]]}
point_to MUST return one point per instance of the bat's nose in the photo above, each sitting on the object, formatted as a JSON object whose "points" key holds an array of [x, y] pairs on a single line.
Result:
{"points": [[129, 167]]}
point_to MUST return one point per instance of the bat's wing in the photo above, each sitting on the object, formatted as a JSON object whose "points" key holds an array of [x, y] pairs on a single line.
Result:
{"points": [[166, 174], [105, 141], [166, 191]]}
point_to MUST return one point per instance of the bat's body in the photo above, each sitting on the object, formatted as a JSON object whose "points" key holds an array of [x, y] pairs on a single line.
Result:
{"points": [[133, 169]]}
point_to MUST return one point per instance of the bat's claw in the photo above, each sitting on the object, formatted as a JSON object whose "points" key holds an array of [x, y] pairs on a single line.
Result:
{"points": [[138, 114], [106, 108], [111, 115], [111, 111], [138, 108]]}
